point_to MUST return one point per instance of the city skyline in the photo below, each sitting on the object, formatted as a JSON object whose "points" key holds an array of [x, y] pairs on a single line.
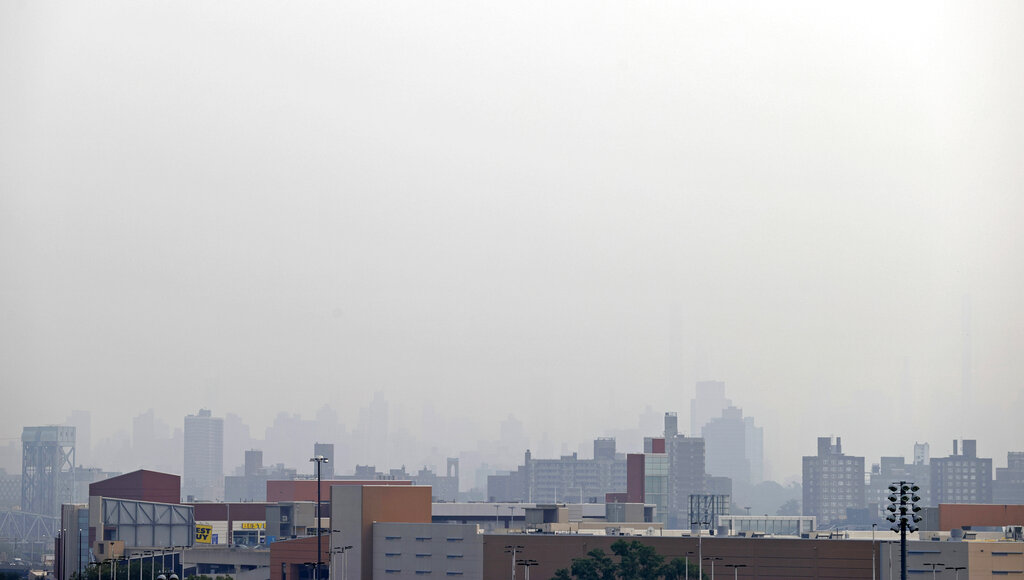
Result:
{"points": [[139, 448]]}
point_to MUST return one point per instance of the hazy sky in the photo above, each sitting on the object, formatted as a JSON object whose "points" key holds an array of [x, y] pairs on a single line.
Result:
{"points": [[561, 210]]}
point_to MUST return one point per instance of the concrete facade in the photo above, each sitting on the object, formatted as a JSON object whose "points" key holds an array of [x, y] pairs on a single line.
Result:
{"points": [[403, 551], [354, 509]]}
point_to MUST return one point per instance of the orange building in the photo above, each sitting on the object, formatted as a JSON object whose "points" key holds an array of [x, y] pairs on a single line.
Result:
{"points": [[968, 515]]}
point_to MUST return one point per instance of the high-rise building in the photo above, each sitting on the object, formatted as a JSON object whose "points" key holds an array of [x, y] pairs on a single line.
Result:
{"points": [[671, 425], [204, 456], [922, 453], [833, 482], [325, 450], [1008, 487], [604, 448], [47, 469], [962, 477], [686, 467], [734, 447], [706, 405]]}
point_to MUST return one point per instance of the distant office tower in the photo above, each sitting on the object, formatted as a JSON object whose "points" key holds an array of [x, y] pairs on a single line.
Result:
{"points": [[833, 482], [734, 447], [204, 456], [253, 461], [686, 467], [671, 425], [962, 478], [326, 450], [604, 448], [1008, 487], [706, 405], [47, 469], [922, 455]]}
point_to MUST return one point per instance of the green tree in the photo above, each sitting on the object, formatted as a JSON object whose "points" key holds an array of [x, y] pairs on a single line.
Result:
{"points": [[636, 561]]}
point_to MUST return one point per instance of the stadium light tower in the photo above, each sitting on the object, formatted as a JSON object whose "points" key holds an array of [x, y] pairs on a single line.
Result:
{"points": [[903, 510]]}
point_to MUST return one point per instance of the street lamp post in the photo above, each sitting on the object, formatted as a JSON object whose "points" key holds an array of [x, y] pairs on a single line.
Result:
{"points": [[527, 564], [700, 549], [957, 570], [512, 549], [319, 460], [686, 559], [873, 526], [344, 559], [713, 559], [934, 565], [735, 569], [903, 510]]}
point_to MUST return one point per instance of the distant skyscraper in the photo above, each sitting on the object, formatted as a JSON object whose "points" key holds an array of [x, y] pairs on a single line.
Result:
{"points": [[725, 440], [604, 448], [687, 474], [922, 453], [204, 456], [1008, 487], [833, 482], [327, 450], [47, 469], [962, 478], [706, 405], [671, 425]]}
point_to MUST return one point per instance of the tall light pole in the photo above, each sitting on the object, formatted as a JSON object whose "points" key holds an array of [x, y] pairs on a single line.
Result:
{"points": [[712, 558], [934, 565], [344, 560], [903, 510], [735, 569], [512, 549], [700, 549], [873, 526], [319, 460], [526, 564], [686, 559], [957, 570]]}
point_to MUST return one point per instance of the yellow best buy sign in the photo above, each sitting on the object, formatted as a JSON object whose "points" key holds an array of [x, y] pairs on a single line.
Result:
{"points": [[254, 525], [204, 534]]}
